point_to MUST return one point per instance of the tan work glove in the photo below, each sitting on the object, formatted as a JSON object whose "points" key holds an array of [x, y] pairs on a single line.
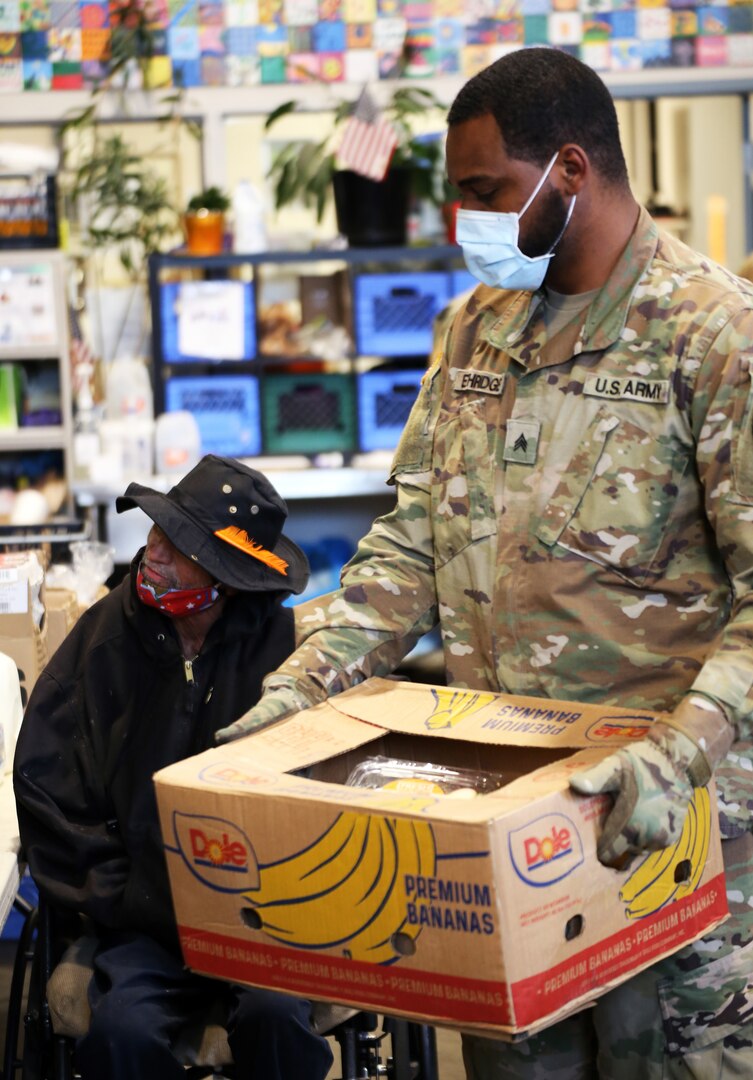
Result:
{"points": [[652, 782], [278, 701]]}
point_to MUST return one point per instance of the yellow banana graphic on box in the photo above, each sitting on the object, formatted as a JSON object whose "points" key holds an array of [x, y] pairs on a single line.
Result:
{"points": [[655, 881], [347, 889], [452, 706]]}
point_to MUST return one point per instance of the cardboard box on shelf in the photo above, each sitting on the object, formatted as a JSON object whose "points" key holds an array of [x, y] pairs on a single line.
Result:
{"points": [[489, 913], [62, 612], [102, 591], [324, 297], [23, 621], [26, 644]]}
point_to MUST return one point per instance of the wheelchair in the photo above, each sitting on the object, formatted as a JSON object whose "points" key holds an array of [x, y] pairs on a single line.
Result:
{"points": [[53, 967]]}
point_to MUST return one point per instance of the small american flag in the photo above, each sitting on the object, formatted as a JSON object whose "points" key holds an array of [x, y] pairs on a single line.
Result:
{"points": [[368, 140]]}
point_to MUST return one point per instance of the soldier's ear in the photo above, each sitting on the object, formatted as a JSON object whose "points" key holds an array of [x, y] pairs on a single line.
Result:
{"points": [[574, 166]]}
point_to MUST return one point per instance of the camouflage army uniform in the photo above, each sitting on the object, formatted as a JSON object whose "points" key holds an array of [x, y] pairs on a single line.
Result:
{"points": [[577, 514]]}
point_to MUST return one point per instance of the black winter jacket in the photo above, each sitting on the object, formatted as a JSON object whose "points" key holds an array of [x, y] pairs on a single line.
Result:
{"points": [[115, 704]]}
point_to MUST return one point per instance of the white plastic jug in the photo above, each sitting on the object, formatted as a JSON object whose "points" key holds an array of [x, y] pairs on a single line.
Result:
{"points": [[130, 442], [177, 442], [128, 391], [11, 710], [249, 228]]}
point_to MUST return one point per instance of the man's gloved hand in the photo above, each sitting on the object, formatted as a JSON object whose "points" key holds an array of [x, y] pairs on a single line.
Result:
{"points": [[276, 703], [652, 782]]}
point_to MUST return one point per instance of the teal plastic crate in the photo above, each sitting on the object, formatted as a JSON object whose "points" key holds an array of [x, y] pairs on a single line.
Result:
{"points": [[308, 414]]}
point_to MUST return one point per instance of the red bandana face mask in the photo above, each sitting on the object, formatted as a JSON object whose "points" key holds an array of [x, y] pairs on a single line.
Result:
{"points": [[177, 603]]}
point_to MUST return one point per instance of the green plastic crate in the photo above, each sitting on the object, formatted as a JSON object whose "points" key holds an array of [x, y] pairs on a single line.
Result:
{"points": [[308, 414]]}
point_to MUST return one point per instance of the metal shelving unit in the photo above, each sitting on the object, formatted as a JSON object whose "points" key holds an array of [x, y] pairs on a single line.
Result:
{"points": [[51, 346], [382, 301]]}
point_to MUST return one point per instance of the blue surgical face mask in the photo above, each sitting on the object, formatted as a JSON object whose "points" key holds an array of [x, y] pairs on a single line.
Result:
{"points": [[490, 245]]}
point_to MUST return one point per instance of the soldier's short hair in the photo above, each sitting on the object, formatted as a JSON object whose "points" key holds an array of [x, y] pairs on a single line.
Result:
{"points": [[541, 99]]}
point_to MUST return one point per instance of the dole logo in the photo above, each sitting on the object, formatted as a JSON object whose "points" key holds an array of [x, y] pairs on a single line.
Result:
{"points": [[619, 727], [217, 852], [545, 850], [539, 850]]}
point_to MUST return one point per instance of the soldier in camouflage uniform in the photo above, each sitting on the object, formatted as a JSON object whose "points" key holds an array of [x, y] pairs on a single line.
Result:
{"points": [[575, 510]]}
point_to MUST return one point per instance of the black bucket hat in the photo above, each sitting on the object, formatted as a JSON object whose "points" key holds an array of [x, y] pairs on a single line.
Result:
{"points": [[227, 518]]}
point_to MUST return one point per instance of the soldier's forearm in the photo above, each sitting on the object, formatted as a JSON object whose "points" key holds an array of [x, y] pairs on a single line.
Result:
{"points": [[705, 724], [335, 658]]}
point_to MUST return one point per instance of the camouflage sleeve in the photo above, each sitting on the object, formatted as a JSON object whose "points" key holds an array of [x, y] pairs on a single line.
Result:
{"points": [[387, 598], [722, 418]]}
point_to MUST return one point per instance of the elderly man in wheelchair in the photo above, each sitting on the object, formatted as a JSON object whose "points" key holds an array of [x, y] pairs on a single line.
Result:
{"points": [[145, 678]]}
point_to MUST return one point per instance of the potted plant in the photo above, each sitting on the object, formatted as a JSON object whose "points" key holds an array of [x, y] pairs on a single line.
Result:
{"points": [[116, 202], [368, 212], [123, 203], [204, 221]]}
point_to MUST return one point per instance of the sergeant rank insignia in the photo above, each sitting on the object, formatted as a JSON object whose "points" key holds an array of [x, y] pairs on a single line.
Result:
{"points": [[522, 441]]}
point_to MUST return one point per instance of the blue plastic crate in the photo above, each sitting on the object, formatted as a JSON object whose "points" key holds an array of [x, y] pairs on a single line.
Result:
{"points": [[15, 921], [226, 408], [173, 295], [385, 399], [326, 558], [394, 313], [460, 281]]}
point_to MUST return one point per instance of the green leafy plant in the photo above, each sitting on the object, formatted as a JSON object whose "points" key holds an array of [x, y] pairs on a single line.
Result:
{"points": [[211, 198], [304, 171], [122, 203]]}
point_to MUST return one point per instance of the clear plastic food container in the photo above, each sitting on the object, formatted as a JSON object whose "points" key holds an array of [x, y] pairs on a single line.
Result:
{"points": [[423, 778]]}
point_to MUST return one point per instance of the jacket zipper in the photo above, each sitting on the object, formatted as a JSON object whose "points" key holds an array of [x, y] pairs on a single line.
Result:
{"points": [[192, 687]]}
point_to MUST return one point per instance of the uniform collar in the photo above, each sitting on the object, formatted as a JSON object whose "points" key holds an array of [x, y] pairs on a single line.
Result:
{"points": [[518, 332]]}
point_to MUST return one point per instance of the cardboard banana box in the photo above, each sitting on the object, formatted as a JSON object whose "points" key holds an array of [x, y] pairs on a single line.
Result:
{"points": [[490, 913]]}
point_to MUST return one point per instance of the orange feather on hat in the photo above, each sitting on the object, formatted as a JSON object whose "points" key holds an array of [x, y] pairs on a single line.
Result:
{"points": [[239, 538]]}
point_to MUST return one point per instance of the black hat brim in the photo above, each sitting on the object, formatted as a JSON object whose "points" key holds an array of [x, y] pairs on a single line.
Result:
{"points": [[227, 564]]}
